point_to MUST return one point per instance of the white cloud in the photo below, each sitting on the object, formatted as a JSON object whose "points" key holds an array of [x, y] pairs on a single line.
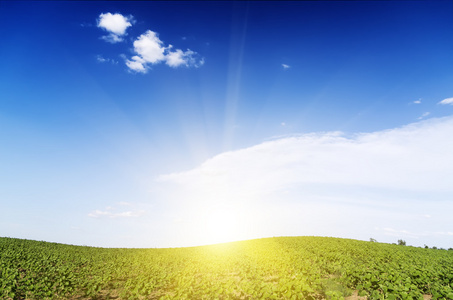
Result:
{"points": [[151, 50], [415, 157], [417, 235], [110, 212], [137, 64], [112, 38], [424, 115], [417, 101], [399, 233], [149, 47], [102, 59], [178, 57], [115, 24], [447, 101], [285, 66]]}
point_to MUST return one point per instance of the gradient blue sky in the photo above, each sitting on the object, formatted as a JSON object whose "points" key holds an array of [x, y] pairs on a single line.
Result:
{"points": [[284, 118]]}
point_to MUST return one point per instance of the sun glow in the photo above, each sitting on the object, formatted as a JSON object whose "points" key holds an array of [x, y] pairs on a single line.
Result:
{"points": [[223, 224]]}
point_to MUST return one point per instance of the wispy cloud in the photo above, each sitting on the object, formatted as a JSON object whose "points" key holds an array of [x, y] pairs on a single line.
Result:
{"points": [[111, 212], [414, 157], [285, 66], [85, 24], [400, 232], [102, 59], [417, 101], [115, 25], [424, 115], [417, 235], [447, 101], [151, 50]]}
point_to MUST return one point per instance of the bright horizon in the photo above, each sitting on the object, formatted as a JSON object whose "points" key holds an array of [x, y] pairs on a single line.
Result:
{"points": [[172, 124]]}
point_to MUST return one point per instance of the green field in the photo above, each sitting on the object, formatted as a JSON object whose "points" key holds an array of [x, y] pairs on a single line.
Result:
{"points": [[271, 268]]}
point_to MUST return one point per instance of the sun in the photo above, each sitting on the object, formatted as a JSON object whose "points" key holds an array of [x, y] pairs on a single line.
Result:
{"points": [[222, 224]]}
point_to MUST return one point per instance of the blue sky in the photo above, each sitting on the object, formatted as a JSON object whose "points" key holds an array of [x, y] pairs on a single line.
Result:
{"points": [[163, 124]]}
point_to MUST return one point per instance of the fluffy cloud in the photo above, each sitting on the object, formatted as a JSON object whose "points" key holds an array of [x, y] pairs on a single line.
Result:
{"points": [[151, 50], [149, 47], [179, 58], [115, 25], [137, 64], [447, 101], [285, 66]]}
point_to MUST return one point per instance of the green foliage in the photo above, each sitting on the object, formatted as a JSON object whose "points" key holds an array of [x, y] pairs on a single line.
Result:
{"points": [[401, 243], [274, 268]]}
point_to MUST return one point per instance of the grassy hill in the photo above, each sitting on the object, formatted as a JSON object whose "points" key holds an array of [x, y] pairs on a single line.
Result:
{"points": [[271, 268]]}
